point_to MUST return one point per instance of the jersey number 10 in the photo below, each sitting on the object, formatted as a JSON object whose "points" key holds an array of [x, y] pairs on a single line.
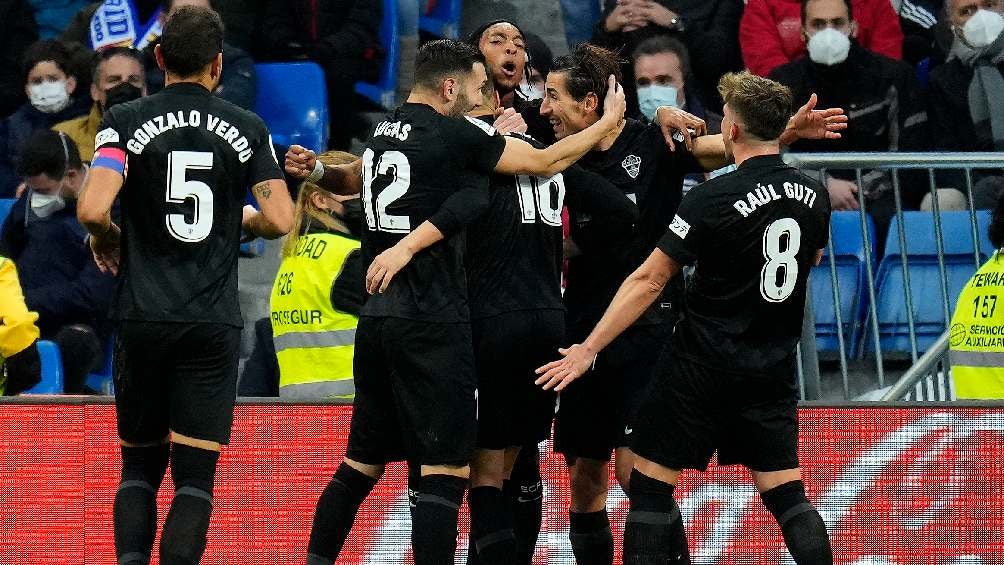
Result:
{"points": [[545, 196], [780, 274]]}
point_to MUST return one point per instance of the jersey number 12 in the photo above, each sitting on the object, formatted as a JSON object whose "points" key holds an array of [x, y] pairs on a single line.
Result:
{"points": [[780, 274], [395, 165], [180, 190]]}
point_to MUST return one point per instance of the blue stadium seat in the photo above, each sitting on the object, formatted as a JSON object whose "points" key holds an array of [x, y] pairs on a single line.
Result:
{"points": [[443, 20], [925, 278], [293, 101], [52, 370], [102, 380], [382, 92], [849, 260], [5, 206]]}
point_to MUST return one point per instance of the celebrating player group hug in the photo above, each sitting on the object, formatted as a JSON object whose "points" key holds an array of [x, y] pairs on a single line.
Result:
{"points": [[466, 344]]}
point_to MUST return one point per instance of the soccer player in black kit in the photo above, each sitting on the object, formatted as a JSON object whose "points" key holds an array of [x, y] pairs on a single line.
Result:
{"points": [[424, 177], [514, 263], [726, 380], [594, 415], [181, 162]]}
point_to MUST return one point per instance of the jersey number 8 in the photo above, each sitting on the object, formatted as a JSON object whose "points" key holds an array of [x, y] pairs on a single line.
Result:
{"points": [[180, 190], [780, 273]]}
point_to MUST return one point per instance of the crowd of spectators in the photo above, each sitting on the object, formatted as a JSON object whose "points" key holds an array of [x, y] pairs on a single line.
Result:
{"points": [[912, 75]]}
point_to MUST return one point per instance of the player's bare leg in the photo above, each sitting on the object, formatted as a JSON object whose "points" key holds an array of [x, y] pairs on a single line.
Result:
{"points": [[623, 465], [337, 507], [654, 530], [804, 532], [193, 469], [135, 508], [588, 523], [492, 539]]}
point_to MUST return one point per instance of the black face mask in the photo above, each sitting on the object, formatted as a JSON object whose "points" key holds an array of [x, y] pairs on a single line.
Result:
{"points": [[121, 93], [353, 216]]}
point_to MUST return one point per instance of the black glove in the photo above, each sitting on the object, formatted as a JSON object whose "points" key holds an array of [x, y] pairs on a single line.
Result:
{"points": [[23, 370]]}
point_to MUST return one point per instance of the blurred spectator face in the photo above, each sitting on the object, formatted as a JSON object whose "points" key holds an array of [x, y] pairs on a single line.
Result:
{"points": [[960, 11], [49, 88], [505, 51], [536, 80], [977, 23], [659, 82], [112, 75], [567, 115], [828, 28]]}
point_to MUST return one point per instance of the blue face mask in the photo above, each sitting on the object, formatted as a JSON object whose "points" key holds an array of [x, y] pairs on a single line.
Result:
{"points": [[652, 96]]}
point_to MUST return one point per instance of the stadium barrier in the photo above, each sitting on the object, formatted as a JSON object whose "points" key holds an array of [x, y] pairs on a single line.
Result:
{"points": [[896, 485], [889, 300]]}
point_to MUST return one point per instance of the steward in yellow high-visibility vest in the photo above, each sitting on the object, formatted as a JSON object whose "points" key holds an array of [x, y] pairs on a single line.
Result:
{"points": [[317, 295], [20, 367], [976, 334]]}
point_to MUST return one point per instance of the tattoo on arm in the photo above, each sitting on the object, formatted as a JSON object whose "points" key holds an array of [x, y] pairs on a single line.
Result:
{"points": [[262, 191]]}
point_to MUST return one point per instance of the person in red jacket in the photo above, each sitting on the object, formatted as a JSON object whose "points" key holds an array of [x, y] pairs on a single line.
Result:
{"points": [[770, 32]]}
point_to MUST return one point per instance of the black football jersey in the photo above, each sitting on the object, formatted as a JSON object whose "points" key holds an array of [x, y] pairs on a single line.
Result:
{"points": [[753, 234], [420, 165], [645, 170], [190, 159], [514, 249]]}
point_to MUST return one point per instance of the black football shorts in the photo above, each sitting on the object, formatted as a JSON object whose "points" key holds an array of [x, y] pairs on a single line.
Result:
{"points": [[596, 411], [415, 393], [691, 410], [508, 348], [175, 376]]}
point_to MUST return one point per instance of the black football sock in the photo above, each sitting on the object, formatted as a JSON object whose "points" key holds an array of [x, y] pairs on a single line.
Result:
{"points": [[135, 509], [336, 512], [491, 526], [524, 492], [592, 541], [434, 530], [653, 533], [802, 526], [184, 538]]}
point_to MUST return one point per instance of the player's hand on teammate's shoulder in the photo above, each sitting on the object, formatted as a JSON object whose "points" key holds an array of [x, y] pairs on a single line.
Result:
{"points": [[300, 161], [614, 103], [559, 374], [510, 121], [106, 250], [385, 266], [674, 120]]}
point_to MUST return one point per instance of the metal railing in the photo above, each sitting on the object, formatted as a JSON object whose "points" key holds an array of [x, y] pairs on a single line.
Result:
{"points": [[866, 334], [930, 378]]}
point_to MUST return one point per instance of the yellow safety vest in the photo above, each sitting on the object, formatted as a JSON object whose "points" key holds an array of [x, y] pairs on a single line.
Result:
{"points": [[976, 337], [313, 341], [17, 323]]}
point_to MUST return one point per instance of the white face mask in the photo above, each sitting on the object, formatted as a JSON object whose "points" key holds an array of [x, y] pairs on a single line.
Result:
{"points": [[45, 205], [49, 96], [829, 47], [983, 28], [654, 95]]}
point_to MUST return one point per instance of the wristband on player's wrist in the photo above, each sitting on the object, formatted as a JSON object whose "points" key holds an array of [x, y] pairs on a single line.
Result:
{"points": [[317, 173]]}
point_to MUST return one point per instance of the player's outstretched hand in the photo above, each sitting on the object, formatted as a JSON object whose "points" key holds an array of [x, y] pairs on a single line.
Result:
{"points": [[300, 161], [809, 123], [106, 250], [385, 266], [559, 374], [614, 103], [509, 121], [689, 126]]}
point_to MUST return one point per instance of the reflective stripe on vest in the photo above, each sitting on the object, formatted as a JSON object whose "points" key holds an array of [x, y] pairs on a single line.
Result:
{"points": [[976, 334], [314, 342]]}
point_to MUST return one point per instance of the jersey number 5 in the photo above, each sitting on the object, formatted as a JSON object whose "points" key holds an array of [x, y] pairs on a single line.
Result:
{"points": [[394, 164], [180, 190], [780, 273]]}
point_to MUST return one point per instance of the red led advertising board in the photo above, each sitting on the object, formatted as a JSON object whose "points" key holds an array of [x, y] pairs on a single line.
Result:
{"points": [[896, 486]]}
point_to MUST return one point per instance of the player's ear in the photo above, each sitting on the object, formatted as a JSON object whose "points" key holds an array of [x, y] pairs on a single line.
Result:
{"points": [[450, 89], [734, 132], [217, 69], [591, 102], [159, 56]]}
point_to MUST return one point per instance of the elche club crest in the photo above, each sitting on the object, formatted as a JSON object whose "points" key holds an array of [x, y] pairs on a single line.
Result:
{"points": [[632, 164]]}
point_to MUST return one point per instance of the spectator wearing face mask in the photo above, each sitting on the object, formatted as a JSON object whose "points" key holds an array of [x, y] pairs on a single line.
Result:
{"points": [[50, 87], [661, 70], [770, 32], [879, 95], [58, 274], [118, 77], [967, 93]]}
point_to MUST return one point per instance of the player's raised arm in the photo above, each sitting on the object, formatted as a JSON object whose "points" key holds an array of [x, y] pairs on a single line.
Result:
{"points": [[634, 296], [520, 157], [346, 179], [276, 216]]}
